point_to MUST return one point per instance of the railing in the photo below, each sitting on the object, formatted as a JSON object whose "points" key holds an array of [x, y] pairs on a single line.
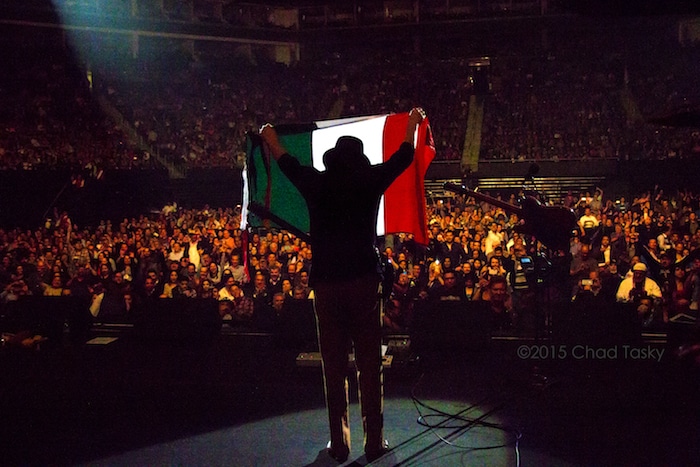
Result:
{"points": [[260, 15], [552, 188]]}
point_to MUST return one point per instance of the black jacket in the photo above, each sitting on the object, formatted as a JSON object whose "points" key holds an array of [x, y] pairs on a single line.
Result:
{"points": [[343, 202]]}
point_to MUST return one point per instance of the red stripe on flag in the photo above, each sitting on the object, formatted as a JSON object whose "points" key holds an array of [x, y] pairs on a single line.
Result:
{"points": [[404, 201]]}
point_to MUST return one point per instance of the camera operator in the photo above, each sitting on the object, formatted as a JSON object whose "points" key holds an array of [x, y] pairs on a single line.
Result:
{"points": [[583, 264], [591, 286]]}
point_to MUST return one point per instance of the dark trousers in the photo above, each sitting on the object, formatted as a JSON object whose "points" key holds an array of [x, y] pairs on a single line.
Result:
{"points": [[348, 313]]}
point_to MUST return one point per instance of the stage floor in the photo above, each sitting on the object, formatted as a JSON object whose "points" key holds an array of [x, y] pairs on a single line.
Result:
{"points": [[242, 399]]}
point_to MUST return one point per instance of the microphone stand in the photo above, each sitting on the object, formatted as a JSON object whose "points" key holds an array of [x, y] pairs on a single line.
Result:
{"points": [[542, 315]]}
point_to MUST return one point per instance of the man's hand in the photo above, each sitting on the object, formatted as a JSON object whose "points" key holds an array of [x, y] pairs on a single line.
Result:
{"points": [[270, 139], [268, 133], [415, 117]]}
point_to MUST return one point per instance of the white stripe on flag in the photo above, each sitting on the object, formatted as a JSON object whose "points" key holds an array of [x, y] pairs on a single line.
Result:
{"points": [[342, 121], [370, 131], [246, 200]]}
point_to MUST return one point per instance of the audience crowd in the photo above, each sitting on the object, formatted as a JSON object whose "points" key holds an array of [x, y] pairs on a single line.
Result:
{"points": [[643, 253], [589, 96], [562, 100], [50, 119], [566, 99]]}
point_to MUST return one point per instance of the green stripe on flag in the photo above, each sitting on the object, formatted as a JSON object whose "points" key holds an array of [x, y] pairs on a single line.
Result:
{"points": [[281, 197]]}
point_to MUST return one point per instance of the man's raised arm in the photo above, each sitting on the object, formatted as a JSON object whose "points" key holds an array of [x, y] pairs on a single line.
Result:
{"points": [[269, 137], [415, 117]]}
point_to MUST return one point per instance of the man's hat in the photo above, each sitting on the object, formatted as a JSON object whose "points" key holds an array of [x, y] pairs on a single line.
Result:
{"points": [[350, 144], [639, 267], [348, 152]]}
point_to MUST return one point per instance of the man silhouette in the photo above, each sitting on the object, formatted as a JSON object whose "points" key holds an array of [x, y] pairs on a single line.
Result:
{"points": [[343, 202]]}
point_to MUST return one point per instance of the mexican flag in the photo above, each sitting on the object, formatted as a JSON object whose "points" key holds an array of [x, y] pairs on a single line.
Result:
{"points": [[402, 208]]}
